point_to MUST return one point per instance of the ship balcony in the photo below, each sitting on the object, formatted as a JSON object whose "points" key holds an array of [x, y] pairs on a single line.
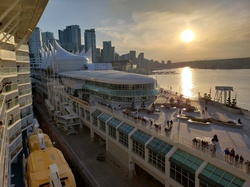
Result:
{"points": [[9, 88], [16, 150], [24, 114], [25, 103], [23, 48], [22, 82], [22, 58], [13, 119], [2, 134], [8, 71], [15, 136], [23, 70], [27, 122], [24, 92], [11, 103], [7, 55]]}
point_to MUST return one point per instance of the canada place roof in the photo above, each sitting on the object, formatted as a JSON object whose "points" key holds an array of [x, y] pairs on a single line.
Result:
{"points": [[109, 76]]}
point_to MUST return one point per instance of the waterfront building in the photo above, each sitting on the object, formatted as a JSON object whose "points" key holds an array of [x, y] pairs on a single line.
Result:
{"points": [[108, 53], [70, 38], [17, 21], [90, 42], [35, 45], [113, 107]]}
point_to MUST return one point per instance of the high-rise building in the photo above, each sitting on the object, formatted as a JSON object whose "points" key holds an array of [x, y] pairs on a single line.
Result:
{"points": [[17, 21], [98, 55], [70, 38], [35, 45], [108, 52], [132, 56], [90, 42], [47, 36], [140, 60]]}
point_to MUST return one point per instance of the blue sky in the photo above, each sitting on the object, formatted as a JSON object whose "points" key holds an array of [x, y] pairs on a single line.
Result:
{"points": [[221, 27]]}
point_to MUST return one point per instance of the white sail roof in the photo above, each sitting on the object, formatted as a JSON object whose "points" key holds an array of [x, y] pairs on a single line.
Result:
{"points": [[88, 54], [61, 60], [63, 54]]}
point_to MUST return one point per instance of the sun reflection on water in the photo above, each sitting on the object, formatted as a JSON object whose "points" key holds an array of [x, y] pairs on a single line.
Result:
{"points": [[186, 82]]}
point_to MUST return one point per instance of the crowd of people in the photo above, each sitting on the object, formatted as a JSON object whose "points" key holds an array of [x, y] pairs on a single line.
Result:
{"points": [[206, 146], [235, 159], [230, 156], [169, 126]]}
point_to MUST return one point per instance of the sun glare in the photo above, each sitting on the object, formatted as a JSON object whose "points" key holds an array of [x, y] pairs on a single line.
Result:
{"points": [[187, 36], [186, 82]]}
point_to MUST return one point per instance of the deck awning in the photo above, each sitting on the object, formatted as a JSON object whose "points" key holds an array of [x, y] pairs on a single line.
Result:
{"points": [[114, 122], [104, 117], [186, 161], [125, 128], [96, 113], [159, 147], [140, 137], [214, 176]]}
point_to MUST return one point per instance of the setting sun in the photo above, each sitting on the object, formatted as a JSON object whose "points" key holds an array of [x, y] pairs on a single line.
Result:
{"points": [[187, 36]]}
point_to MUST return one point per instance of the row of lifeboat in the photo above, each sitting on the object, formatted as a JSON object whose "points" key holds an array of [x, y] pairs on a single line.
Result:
{"points": [[46, 165]]}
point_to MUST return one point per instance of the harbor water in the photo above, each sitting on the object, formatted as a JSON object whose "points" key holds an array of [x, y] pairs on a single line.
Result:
{"points": [[190, 82]]}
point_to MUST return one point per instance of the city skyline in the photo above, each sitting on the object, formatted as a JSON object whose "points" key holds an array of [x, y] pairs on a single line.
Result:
{"points": [[221, 28]]}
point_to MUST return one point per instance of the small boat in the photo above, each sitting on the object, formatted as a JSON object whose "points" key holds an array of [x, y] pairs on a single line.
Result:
{"points": [[198, 122]]}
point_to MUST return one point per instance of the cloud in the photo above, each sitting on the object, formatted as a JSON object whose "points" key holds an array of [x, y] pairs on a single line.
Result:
{"points": [[222, 28]]}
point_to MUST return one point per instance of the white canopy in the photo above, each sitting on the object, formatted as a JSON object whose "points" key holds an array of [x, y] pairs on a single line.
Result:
{"points": [[61, 60]]}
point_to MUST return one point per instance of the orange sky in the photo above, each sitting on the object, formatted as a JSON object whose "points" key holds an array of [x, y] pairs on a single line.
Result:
{"points": [[221, 27]]}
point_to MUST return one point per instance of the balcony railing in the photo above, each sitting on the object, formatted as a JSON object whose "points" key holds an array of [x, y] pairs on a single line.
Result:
{"points": [[9, 88], [11, 103], [24, 92], [23, 81], [26, 103], [27, 122], [7, 71], [7, 55], [14, 136], [16, 150], [20, 58], [23, 69], [13, 119], [24, 48]]}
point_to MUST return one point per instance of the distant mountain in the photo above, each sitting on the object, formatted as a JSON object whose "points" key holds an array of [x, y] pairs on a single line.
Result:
{"points": [[234, 63]]}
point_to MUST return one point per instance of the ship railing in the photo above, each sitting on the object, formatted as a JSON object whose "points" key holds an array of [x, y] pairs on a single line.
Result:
{"points": [[9, 88], [12, 103], [8, 71], [23, 81]]}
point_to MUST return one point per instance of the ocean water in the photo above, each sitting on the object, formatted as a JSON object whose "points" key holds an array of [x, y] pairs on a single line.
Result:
{"points": [[189, 82]]}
